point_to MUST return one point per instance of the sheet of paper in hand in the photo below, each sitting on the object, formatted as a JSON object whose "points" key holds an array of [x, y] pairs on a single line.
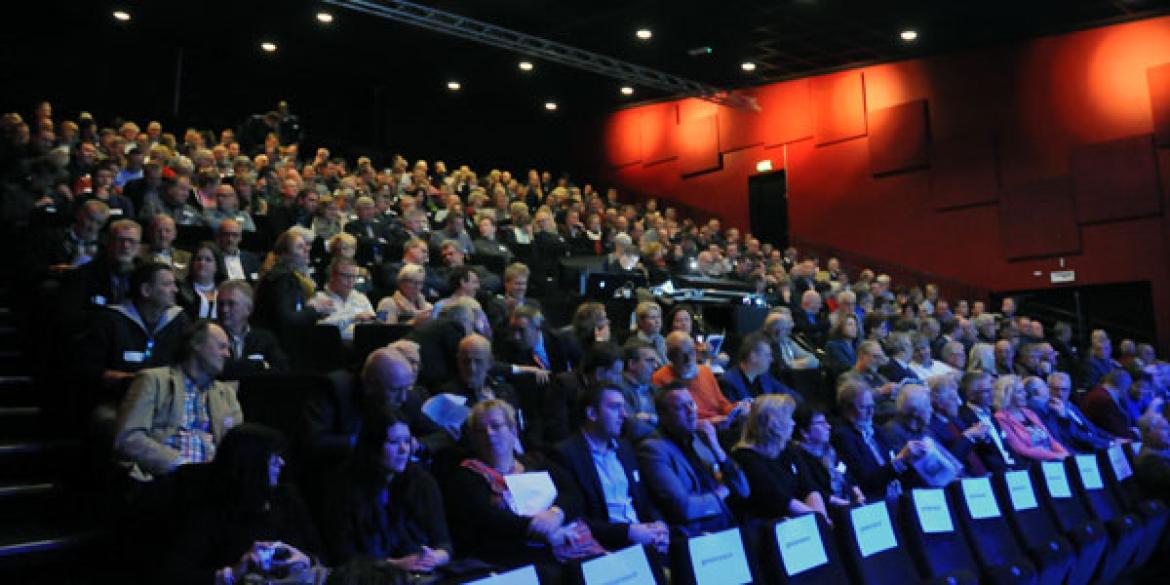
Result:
{"points": [[935, 469], [532, 492], [446, 410]]}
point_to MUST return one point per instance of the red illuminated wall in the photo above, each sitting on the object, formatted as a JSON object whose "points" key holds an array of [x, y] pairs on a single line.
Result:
{"points": [[985, 167]]}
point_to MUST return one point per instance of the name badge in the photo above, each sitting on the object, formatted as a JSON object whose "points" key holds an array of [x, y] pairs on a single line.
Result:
{"points": [[254, 276], [116, 211], [133, 357], [98, 300], [256, 357], [637, 477]]}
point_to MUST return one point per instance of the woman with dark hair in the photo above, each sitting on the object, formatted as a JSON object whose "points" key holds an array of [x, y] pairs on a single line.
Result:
{"points": [[197, 291], [385, 506], [241, 519], [841, 349], [816, 456], [284, 291]]}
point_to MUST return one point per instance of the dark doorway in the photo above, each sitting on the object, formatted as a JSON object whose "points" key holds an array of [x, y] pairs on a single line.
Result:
{"points": [[768, 207], [1124, 310]]}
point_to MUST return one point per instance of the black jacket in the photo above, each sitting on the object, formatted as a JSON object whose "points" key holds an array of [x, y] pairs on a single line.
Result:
{"points": [[262, 353]]}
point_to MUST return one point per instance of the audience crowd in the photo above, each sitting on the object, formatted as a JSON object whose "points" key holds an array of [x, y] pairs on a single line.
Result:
{"points": [[176, 268]]}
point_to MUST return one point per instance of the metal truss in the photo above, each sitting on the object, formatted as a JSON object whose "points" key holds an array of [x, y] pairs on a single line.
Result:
{"points": [[526, 44]]}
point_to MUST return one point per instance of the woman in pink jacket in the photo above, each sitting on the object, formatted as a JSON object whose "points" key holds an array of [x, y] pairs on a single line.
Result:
{"points": [[1026, 436]]}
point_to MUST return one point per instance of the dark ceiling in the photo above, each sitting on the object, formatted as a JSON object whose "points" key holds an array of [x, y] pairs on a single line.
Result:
{"points": [[381, 84]]}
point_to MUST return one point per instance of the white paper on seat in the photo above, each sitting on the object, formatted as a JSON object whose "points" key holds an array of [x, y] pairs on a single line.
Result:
{"points": [[1056, 479], [521, 576], [1020, 490], [628, 566], [800, 545], [933, 512], [872, 529], [446, 410], [980, 499], [719, 559], [1121, 468], [1090, 474], [532, 492]]}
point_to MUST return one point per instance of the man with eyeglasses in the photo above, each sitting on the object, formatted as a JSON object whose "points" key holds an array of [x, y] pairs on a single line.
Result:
{"points": [[1067, 423], [350, 306], [863, 448], [237, 264]]}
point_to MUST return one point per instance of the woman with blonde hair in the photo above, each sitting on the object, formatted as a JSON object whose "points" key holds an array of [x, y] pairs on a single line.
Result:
{"points": [[779, 487], [407, 305], [1026, 435], [982, 359]]}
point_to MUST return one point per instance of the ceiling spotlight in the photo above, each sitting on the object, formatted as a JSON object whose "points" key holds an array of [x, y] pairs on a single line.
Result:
{"points": [[747, 66], [644, 34], [324, 17], [627, 90], [454, 85], [268, 47], [909, 35], [526, 65], [121, 16], [550, 106]]}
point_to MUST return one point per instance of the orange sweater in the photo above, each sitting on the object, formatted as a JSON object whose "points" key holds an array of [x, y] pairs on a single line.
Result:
{"points": [[704, 389]]}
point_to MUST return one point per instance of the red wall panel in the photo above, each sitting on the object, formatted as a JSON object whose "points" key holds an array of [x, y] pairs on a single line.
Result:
{"points": [[1037, 219], [838, 107], [962, 171], [659, 132], [1116, 180], [899, 138], [1159, 80], [623, 138], [698, 145]]}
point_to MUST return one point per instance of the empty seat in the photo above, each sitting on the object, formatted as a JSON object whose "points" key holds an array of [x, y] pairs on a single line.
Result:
{"points": [[1054, 557], [869, 544], [1068, 513], [370, 337], [316, 349], [1126, 530], [1117, 471], [999, 556], [935, 540]]}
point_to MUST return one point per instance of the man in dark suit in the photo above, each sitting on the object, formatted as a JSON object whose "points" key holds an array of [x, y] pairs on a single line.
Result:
{"points": [[235, 263], [1102, 405], [809, 320], [1067, 423], [862, 448], [900, 349], [616, 505], [992, 449], [602, 365], [687, 473], [527, 342], [371, 233], [438, 341], [253, 349], [749, 377], [106, 280]]}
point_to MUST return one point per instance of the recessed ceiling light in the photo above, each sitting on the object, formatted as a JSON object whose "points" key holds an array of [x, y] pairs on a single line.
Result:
{"points": [[526, 65], [747, 66], [454, 85], [627, 90], [268, 47], [550, 106], [324, 17], [909, 35], [121, 16], [644, 34]]}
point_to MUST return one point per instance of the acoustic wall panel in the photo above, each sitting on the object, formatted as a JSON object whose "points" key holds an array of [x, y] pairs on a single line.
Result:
{"points": [[623, 138], [659, 132], [1037, 220], [838, 107], [1116, 180], [899, 138], [698, 145], [963, 171], [1159, 81]]}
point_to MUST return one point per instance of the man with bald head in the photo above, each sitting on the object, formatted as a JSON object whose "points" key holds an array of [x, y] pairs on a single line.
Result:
{"points": [[474, 363], [809, 320], [237, 264], [682, 367]]}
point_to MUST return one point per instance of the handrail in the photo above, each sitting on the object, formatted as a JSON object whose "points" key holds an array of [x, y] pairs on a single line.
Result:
{"points": [[901, 274]]}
